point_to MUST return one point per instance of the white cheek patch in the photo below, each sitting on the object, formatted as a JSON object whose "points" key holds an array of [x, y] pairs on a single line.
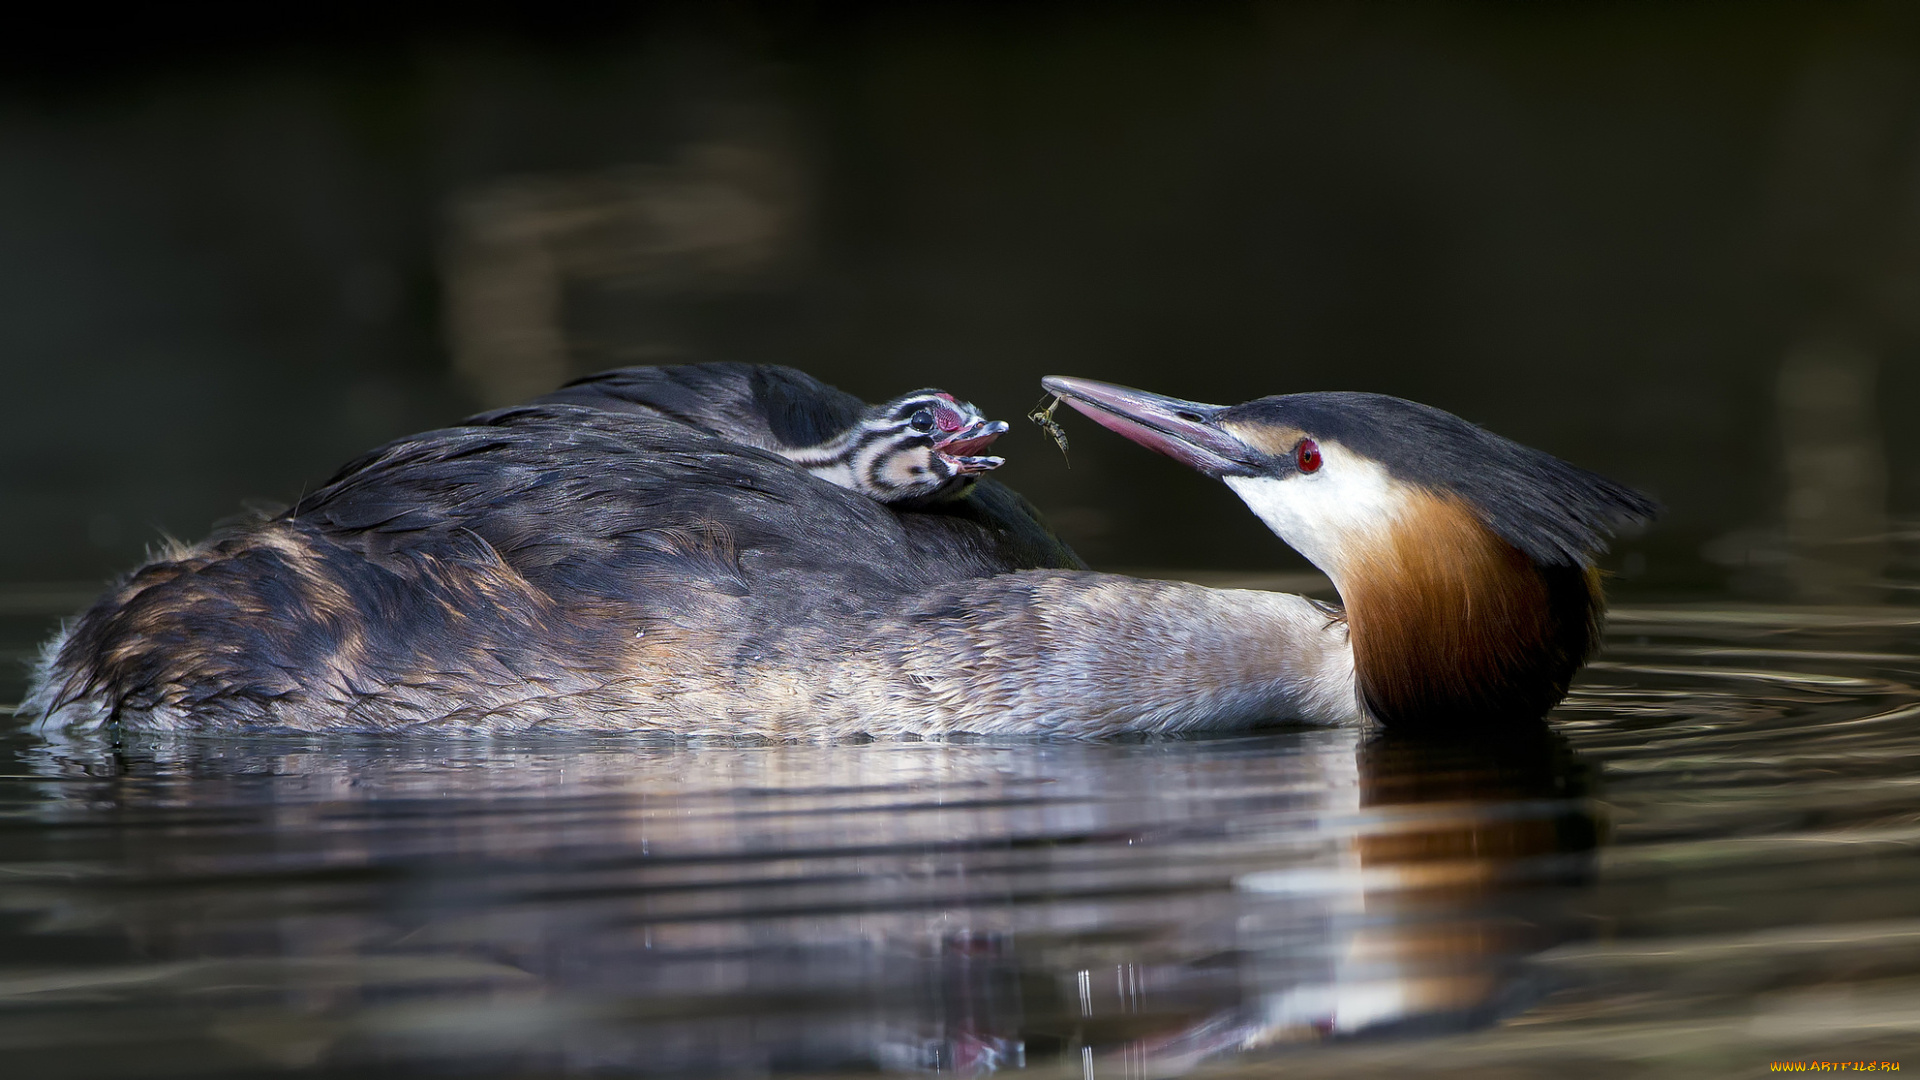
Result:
{"points": [[886, 470], [874, 466], [1345, 506]]}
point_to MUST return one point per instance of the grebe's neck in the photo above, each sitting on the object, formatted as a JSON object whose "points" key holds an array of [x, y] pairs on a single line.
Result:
{"points": [[1090, 654], [1451, 623], [834, 460]]}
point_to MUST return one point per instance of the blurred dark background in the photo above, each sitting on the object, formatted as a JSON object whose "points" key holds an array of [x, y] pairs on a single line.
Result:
{"points": [[1676, 243]]}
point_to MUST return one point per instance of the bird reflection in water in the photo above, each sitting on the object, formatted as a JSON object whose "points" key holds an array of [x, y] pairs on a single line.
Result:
{"points": [[964, 907], [1426, 896], [1446, 830]]}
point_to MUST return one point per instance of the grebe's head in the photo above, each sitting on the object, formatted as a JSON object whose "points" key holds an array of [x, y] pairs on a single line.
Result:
{"points": [[1465, 559], [918, 448]]}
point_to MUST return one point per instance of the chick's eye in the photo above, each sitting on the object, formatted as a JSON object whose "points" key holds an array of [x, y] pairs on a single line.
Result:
{"points": [[1307, 456], [922, 420]]}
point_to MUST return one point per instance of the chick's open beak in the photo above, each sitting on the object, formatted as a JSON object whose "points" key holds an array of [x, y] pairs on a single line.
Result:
{"points": [[1186, 431], [971, 439], [963, 447]]}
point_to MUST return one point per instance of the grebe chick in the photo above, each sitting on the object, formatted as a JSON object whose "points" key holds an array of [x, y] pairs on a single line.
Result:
{"points": [[624, 568], [917, 449]]}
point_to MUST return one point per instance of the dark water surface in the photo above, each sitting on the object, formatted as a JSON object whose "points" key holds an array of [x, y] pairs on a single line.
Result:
{"points": [[1713, 862]]}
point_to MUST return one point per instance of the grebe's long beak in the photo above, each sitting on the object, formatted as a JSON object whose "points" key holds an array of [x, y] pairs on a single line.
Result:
{"points": [[1186, 431]]}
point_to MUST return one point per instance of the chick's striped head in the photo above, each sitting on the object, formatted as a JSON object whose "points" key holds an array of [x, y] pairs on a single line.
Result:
{"points": [[921, 447]]}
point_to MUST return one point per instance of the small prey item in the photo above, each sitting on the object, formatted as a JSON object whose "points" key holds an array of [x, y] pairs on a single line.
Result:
{"points": [[1044, 417]]}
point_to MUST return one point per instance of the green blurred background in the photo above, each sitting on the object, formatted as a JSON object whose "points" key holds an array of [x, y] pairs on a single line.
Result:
{"points": [[1676, 243]]}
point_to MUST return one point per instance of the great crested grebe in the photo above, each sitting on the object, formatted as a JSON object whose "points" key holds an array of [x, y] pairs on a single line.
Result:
{"points": [[1464, 560], [624, 567], [918, 449]]}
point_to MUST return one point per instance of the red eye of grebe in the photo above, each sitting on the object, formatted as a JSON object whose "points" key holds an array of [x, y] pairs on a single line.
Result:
{"points": [[1307, 455]]}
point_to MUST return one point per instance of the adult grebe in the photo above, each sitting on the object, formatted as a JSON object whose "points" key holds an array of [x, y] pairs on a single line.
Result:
{"points": [[1464, 560], [592, 568]]}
